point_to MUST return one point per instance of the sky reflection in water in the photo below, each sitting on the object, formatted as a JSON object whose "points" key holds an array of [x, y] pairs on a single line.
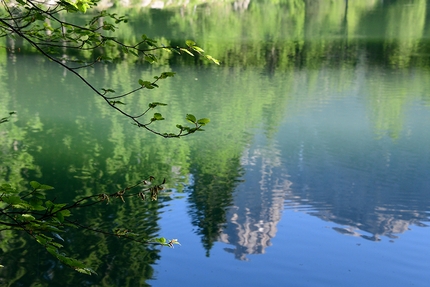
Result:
{"points": [[329, 200]]}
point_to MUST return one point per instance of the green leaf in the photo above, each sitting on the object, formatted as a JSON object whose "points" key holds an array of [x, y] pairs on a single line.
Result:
{"points": [[147, 84], [198, 49], [191, 118], [186, 51], [210, 58], [39, 208], [42, 240], [11, 199], [82, 6], [86, 270], [190, 43], [60, 217], [151, 58], [45, 187], [66, 212], [154, 104], [203, 121], [35, 184], [161, 240], [28, 217], [158, 117], [166, 75]]}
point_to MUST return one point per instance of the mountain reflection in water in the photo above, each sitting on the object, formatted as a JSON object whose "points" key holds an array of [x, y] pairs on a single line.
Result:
{"points": [[369, 187]]}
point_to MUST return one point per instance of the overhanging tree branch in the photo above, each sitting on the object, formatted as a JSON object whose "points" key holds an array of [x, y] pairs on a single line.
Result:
{"points": [[39, 24]]}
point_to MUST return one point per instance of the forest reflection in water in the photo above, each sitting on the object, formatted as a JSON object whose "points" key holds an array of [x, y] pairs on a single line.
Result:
{"points": [[312, 122]]}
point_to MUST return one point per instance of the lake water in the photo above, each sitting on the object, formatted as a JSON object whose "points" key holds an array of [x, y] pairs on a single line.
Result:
{"points": [[314, 170]]}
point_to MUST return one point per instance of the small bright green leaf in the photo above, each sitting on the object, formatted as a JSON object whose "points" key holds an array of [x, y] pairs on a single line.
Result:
{"points": [[66, 212], [86, 270], [203, 121], [35, 184], [186, 51], [158, 117], [41, 240], [141, 82], [190, 43], [147, 84], [212, 59], [191, 118], [161, 240], [28, 217], [198, 49]]}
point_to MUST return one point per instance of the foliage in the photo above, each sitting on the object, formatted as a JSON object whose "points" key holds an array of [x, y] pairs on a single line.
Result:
{"points": [[76, 46], [42, 25], [44, 219]]}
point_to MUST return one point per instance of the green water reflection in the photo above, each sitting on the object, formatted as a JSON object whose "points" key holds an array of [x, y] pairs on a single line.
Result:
{"points": [[281, 62]]}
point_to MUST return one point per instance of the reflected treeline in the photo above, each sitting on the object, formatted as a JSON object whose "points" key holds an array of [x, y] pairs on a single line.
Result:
{"points": [[73, 143], [296, 33], [281, 35]]}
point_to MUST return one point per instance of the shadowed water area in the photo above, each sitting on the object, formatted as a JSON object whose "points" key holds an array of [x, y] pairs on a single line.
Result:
{"points": [[314, 169]]}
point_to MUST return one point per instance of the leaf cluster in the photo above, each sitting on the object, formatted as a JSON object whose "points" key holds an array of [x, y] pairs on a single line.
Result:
{"points": [[44, 27], [45, 221]]}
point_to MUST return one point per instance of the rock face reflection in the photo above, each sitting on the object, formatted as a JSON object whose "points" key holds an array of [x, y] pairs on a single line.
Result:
{"points": [[364, 186], [257, 204]]}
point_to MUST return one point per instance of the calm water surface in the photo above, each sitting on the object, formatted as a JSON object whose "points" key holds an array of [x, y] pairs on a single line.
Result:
{"points": [[314, 170]]}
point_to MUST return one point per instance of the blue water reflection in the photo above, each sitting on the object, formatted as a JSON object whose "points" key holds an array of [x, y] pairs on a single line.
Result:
{"points": [[330, 200]]}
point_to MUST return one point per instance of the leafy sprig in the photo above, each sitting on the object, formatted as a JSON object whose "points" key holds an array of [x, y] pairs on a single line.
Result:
{"points": [[42, 26], [44, 220]]}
